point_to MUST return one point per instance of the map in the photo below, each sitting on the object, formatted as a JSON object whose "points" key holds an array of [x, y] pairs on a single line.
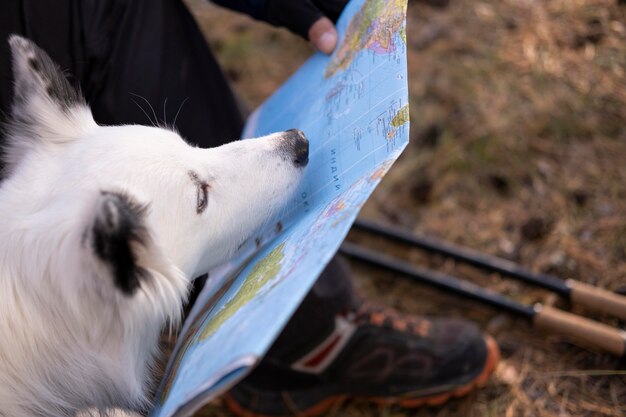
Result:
{"points": [[353, 107]]}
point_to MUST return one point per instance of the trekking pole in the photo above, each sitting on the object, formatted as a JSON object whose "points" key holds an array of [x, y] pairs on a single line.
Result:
{"points": [[593, 298], [582, 331]]}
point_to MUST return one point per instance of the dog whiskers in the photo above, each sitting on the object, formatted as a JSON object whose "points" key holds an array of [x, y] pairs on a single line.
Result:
{"points": [[144, 112], [164, 111], [179, 109], [156, 120]]}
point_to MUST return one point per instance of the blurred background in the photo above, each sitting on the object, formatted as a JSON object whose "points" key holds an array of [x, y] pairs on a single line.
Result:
{"points": [[518, 149]]}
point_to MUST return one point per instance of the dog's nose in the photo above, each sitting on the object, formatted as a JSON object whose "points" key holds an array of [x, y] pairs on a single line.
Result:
{"points": [[299, 146]]}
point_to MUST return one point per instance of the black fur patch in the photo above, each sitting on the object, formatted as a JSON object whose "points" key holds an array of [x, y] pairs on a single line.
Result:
{"points": [[34, 64], [47, 76], [118, 226]]}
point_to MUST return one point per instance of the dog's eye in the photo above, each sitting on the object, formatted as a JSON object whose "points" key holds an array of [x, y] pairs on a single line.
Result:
{"points": [[202, 192], [202, 199]]}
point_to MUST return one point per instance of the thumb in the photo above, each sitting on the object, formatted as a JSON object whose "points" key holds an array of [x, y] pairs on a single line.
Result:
{"points": [[323, 35]]}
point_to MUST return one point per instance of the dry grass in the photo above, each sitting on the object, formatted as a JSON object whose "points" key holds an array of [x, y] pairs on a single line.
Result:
{"points": [[518, 149]]}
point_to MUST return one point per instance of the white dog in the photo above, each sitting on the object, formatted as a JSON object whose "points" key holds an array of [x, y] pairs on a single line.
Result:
{"points": [[101, 228]]}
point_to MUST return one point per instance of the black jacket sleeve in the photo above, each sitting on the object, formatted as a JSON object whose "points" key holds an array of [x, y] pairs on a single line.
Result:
{"points": [[296, 15]]}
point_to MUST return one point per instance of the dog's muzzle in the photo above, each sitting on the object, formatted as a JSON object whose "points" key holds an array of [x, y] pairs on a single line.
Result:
{"points": [[298, 146]]}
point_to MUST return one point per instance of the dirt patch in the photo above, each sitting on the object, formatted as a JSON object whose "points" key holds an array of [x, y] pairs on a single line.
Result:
{"points": [[518, 149]]}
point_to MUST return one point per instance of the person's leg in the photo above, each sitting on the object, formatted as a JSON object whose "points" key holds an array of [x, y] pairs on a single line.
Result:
{"points": [[139, 61], [158, 59]]}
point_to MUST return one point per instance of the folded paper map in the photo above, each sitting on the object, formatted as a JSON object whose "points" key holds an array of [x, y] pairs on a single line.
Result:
{"points": [[353, 107]]}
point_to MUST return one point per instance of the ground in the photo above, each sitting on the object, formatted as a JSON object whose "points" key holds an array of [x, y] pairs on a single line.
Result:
{"points": [[518, 149]]}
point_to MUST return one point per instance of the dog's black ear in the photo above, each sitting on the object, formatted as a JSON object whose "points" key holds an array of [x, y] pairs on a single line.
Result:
{"points": [[36, 75], [46, 108], [116, 236]]}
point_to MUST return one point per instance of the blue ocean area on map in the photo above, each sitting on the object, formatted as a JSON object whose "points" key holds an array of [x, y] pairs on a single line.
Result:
{"points": [[353, 107]]}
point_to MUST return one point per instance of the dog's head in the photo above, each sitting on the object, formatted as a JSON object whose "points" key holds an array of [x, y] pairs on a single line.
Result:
{"points": [[200, 205], [104, 225]]}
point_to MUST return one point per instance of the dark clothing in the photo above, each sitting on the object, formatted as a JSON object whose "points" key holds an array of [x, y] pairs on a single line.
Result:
{"points": [[121, 52]]}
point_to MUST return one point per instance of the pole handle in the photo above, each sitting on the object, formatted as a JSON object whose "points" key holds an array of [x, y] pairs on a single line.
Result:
{"points": [[583, 331], [597, 299]]}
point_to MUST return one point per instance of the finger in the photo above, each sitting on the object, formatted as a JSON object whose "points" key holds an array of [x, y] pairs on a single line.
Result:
{"points": [[323, 35]]}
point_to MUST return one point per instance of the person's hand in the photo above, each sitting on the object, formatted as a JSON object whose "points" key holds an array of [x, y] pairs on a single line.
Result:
{"points": [[311, 19]]}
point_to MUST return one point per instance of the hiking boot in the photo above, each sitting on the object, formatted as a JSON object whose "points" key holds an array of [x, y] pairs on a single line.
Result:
{"points": [[374, 353]]}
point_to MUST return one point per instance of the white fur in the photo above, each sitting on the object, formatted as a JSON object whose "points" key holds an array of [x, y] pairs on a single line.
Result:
{"points": [[69, 338]]}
